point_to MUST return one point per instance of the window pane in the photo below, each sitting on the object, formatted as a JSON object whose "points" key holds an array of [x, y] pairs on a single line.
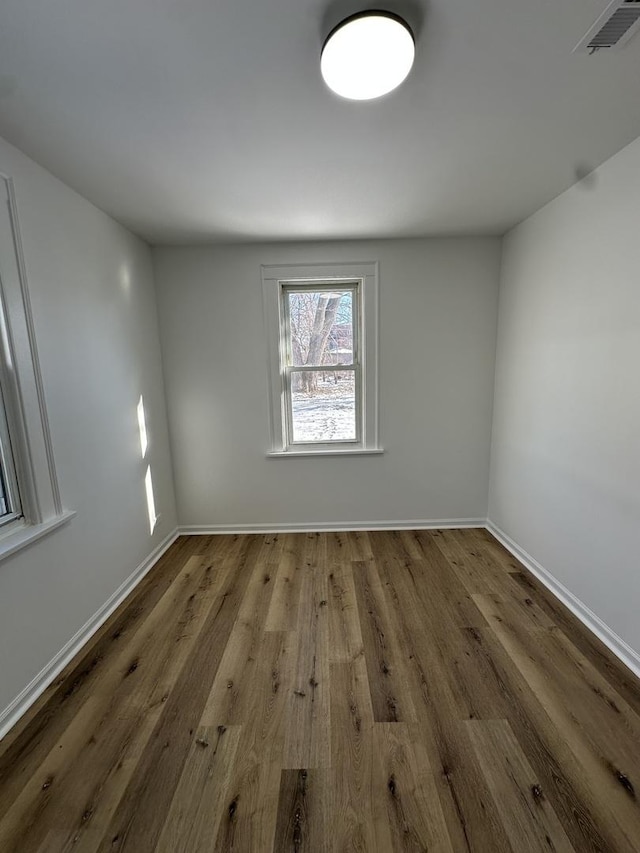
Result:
{"points": [[323, 405], [4, 502], [8, 487], [320, 327]]}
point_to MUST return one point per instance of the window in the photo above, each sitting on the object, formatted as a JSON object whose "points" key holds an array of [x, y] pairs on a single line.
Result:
{"points": [[322, 328], [320, 362], [30, 503]]}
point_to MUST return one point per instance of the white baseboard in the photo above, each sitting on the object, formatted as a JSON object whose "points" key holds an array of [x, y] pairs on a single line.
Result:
{"points": [[331, 527], [616, 644], [23, 701]]}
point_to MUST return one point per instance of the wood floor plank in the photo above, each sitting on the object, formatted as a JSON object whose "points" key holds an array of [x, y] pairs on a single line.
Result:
{"points": [[444, 649], [441, 705], [359, 544], [156, 657], [273, 546], [223, 547], [387, 681], [308, 706], [26, 815], [563, 780], [283, 609], [248, 821], [345, 635], [314, 549], [346, 546], [230, 696], [486, 543], [196, 809], [392, 545], [136, 822], [363, 691], [468, 561], [358, 813], [249, 815], [527, 816], [303, 824], [27, 743], [619, 676], [338, 549], [578, 687], [483, 570], [601, 754], [129, 678], [413, 805], [84, 811], [453, 595]]}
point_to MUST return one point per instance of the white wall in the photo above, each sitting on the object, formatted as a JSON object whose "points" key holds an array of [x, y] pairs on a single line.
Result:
{"points": [[565, 475], [92, 293], [438, 305]]}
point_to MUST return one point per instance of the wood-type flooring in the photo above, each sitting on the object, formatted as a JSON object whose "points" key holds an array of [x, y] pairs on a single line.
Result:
{"points": [[362, 691]]}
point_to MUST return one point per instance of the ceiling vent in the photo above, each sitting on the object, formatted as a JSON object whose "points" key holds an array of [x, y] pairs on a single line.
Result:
{"points": [[613, 29]]}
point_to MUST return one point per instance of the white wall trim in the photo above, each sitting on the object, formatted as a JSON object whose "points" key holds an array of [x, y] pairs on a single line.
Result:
{"points": [[616, 644], [23, 701], [27, 534], [333, 526]]}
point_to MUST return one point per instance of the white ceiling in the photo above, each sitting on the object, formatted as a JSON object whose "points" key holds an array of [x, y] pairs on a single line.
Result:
{"points": [[193, 120]]}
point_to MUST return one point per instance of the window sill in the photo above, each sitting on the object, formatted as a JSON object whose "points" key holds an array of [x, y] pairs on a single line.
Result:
{"points": [[360, 451], [24, 536]]}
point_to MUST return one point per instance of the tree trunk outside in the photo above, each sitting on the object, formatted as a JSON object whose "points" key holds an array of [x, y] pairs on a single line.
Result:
{"points": [[323, 321]]}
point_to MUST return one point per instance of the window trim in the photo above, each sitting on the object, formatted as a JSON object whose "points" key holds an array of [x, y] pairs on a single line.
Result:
{"points": [[288, 369], [274, 279], [28, 424]]}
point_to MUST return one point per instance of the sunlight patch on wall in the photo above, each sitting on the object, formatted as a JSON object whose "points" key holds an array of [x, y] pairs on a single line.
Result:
{"points": [[151, 504], [148, 481], [4, 339], [125, 279], [142, 426]]}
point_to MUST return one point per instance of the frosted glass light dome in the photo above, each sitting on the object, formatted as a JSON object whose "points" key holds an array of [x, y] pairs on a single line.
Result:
{"points": [[367, 55]]}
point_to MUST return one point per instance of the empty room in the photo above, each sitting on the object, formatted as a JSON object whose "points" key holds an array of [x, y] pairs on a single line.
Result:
{"points": [[319, 426]]}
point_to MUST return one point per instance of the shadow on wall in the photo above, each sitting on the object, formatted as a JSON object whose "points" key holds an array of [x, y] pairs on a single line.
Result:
{"points": [[585, 176]]}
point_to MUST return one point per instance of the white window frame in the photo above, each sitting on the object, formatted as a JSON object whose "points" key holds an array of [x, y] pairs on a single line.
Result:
{"points": [[363, 279], [27, 445], [288, 368]]}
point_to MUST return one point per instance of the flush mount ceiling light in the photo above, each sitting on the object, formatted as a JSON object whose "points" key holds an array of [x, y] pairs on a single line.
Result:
{"points": [[367, 55]]}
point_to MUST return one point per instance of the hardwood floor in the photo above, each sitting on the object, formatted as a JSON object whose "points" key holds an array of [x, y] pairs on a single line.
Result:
{"points": [[401, 691]]}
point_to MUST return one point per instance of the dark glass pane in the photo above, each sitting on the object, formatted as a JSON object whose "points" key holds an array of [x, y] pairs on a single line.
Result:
{"points": [[4, 500]]}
